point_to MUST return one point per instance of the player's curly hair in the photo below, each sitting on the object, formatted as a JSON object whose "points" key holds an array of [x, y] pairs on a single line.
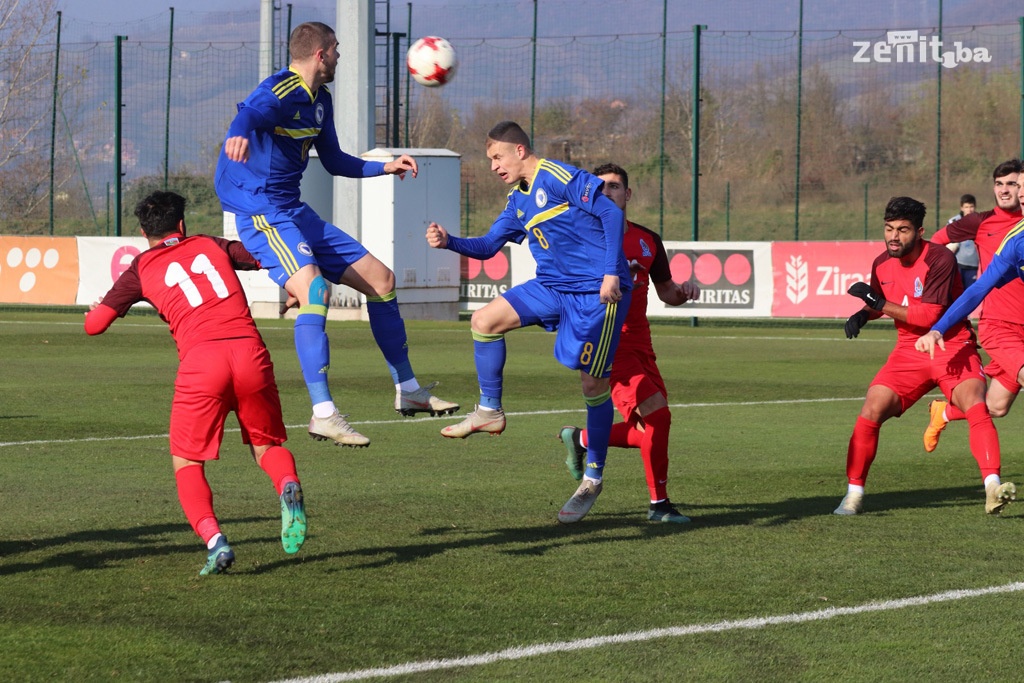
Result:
{"points": [[309, 37], [905, 209], [160, 213]]}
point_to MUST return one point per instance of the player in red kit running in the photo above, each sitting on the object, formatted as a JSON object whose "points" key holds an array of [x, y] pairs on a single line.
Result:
{"points": [[1001, 328], [913, 283], [638, 390], [224, 365]]}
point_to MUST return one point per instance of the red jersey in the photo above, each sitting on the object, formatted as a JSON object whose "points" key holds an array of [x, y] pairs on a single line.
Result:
{"points": [[648, 262], [191, 282], [932, 279], [987, 229]]}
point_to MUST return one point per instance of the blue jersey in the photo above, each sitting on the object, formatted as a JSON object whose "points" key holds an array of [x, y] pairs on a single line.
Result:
{"points": [[574, 231], [1006, 266], [282, 118]]}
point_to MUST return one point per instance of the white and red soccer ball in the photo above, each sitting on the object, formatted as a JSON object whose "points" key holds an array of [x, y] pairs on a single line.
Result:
{"points": [[431, 61]]}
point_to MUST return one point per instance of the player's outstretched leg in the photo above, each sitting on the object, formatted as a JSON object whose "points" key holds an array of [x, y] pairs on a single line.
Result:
{"points": [[575, 452], [219, 558], [420, 400], [577, 507], [293, 518], [997, 496], [480, 421], [936, 423], [337, 429]]}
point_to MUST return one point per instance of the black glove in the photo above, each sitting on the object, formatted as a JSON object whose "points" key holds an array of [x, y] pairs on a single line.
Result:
{"points": [[862, 290], [854, 323]]}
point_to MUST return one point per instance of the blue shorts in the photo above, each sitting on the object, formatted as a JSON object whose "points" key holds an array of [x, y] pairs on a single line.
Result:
{"points": [[587, 331], [287, 239]]}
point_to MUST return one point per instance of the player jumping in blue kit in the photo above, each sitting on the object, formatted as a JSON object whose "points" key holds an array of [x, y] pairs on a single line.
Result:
{"points": [[257, 179], [582, 289]]}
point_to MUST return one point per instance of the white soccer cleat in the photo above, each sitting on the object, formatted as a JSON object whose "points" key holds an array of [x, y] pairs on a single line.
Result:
{"points": [[480, 421], [335, 428], [998, 495], [577, 507], [852, 504], [409, 403]]}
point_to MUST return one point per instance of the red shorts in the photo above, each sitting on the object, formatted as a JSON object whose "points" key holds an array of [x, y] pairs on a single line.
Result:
{"points": [[214, 379], [912, 374], [635, 378], [1004, 343]]}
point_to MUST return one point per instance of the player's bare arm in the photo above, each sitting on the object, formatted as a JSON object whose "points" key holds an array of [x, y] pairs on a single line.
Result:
{"points": [[401, 166], [675, 293], [610, 292], [437, 236]]}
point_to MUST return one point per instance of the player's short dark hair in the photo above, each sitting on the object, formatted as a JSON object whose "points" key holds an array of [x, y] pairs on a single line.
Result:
{"points": [[509, 131], [309, 37], [605, 169], [968, 199], [905, 209], [160, 213], [1007, 167]]}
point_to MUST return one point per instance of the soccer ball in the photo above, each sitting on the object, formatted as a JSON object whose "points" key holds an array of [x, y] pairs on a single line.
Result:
{"points": [[431, 61]]}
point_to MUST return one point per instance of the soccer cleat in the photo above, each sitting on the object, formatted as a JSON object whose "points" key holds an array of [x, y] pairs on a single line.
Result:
{"points": [[335, 428], [577, 507], [576, 455], [293, 518], [409, 403], [665, 511], [852, 504], [936, 423], [998, 495], [219, 558], [480, 421]]}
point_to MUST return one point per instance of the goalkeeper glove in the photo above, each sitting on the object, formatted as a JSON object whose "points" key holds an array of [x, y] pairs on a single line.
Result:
{"points": [[854, 323], [863, 291]]}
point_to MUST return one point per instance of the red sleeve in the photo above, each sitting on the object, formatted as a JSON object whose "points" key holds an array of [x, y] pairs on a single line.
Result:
{"points": [[924, 315], [941, 237], [241, 259], [99, 319], [964, 229], [660, 270]]}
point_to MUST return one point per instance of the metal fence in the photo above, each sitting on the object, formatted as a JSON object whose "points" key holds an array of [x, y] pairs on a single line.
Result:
{"points": [[801, 134]]}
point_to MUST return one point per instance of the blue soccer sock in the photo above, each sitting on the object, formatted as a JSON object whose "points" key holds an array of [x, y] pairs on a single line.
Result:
{"points": [[314, 351], [600, 415], [489, 355], [388, 330]]}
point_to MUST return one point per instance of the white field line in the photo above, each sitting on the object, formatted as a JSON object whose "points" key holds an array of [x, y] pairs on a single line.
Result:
{"points": [[515, 653], [732, 404]]}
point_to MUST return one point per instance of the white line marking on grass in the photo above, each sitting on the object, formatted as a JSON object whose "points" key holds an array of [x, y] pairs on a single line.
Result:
{"points": [[722, 404], [514, 653]]}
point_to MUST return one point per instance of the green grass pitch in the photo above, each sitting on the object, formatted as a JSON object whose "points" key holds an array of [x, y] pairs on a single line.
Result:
{"points": [[424, 550]]}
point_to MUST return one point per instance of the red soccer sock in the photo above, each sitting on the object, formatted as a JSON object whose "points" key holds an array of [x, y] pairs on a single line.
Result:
{"points": [[654, 451], [279, 464], [623, 435], [954, 413], [984, 439], [862, 450], [197, 501]]}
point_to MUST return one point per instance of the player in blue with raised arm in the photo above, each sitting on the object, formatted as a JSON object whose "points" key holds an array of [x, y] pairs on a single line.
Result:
{"points": [[582, 289], [257, 179]]}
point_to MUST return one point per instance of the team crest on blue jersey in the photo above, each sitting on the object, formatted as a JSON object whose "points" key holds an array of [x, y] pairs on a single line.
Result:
{"points": [[319, 113], [918, 288], [304, 249], [541, 198], [644, 249]]}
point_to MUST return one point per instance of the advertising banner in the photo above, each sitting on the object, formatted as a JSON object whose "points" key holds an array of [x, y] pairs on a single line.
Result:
{"points": [[811, 278], [734, 278], [38, 270], [103, 260]]}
